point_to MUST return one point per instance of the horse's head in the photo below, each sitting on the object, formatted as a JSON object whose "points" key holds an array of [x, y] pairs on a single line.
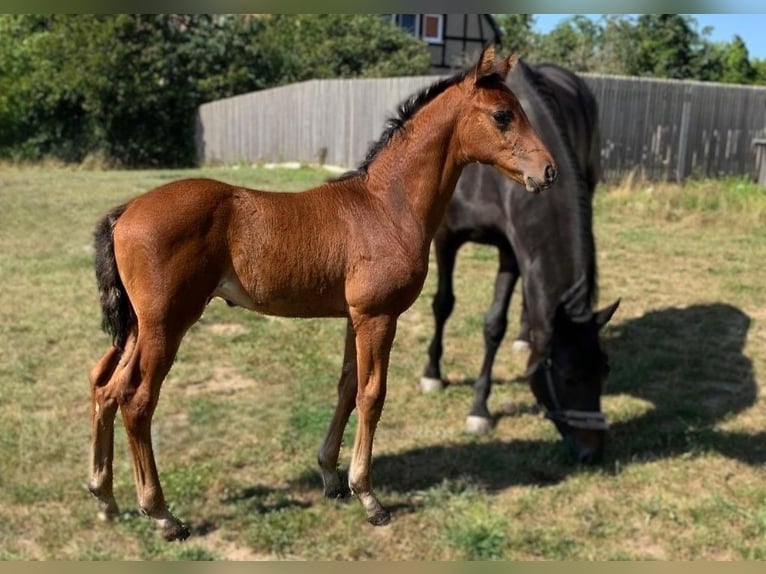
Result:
{"points": [[496, 129], [567, 374]]}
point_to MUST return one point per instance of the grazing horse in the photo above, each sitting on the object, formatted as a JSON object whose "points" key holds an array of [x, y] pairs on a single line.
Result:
{"points": [[356, 247], [550, 243]]}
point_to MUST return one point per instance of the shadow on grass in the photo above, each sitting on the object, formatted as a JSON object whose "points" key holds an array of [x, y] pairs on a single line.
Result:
{"points": [[687, 362], [494, 464], [263, 500]]}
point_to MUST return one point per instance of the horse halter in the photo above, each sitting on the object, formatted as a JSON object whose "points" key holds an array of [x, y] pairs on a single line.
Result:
{"points": [[590, 420]]}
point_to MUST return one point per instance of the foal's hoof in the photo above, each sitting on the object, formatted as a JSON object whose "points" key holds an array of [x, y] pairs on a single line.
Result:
{"points": [[477, 425], [109, 512], [431, 385], [338, 493], [170, 526], [380, 518], [520, 346], [175, 531]]}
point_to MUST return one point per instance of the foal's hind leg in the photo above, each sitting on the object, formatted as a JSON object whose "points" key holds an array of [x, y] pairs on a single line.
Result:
{"points": [[103, 410], [155, 351], [330, 449], [495, 325], [446, 247]]}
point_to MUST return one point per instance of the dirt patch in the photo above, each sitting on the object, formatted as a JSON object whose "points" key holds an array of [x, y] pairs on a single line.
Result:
{"points": [[227, 329], [223, 549], [646, 548], [226, 380]]}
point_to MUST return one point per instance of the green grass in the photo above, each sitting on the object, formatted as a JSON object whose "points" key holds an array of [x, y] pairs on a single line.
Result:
{"points": [[248, 400]]}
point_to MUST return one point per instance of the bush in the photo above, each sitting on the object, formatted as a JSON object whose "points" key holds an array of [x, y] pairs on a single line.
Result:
{"points": [[126, 87]]}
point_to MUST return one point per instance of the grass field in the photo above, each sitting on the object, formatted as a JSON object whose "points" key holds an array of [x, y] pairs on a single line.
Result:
{"points": [[249, 398]]}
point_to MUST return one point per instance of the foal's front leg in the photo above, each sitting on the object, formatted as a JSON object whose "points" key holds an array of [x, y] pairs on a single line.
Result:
{"points": [[374, 337], [330, 449]]}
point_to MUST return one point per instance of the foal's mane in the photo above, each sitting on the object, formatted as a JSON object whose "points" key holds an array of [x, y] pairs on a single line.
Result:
{"points": [[407, 109]]}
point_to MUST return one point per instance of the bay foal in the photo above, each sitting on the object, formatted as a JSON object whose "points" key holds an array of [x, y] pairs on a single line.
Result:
{"points": [[356, 247]]}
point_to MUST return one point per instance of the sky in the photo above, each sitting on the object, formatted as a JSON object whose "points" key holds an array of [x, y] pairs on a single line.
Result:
{"points": [[750, 27]]}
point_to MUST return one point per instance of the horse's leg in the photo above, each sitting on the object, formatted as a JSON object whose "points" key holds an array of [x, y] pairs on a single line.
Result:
{"points": [[521, 342], [330, 449], [374, 337], [155, 351], [103, 410], [446, 247], [495, 325]]}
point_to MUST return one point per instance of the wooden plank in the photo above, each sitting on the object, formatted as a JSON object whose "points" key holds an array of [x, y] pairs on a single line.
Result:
{"points": [[665, 129]]}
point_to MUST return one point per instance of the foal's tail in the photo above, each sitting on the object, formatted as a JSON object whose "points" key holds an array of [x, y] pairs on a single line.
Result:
{"points": [[116, 310]]}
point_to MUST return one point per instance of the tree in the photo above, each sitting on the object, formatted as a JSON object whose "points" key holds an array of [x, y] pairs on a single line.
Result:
{"points": [[737, 67], [759, 71], [126, 86], [710, 61], [572, 44], [667, 45], [310, 46], [659, 45], [517, 34], [616, 51]]}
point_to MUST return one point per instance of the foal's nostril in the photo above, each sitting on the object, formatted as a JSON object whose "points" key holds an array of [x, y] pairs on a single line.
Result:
{"points": [[550, 174]]}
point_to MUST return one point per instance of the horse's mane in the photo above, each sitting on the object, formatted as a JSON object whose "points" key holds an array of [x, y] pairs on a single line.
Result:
{"points": [[407, 109], [583, 193]]}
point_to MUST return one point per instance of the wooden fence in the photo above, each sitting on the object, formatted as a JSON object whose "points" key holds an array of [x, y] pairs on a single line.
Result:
{"points": [[664, 129]]}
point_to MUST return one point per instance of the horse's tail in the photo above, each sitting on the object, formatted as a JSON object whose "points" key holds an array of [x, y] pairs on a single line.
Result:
{"points": [[116, 310]]}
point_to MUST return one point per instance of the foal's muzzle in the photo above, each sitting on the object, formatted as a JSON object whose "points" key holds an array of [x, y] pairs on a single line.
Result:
{"points": [[549, 176]]}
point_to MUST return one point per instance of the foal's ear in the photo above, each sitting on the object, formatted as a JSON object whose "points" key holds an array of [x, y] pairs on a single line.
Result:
{"points": [[486, 65], [602, 317], [507, 65]]}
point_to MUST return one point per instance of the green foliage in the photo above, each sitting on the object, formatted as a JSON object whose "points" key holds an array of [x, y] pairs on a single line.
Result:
{"points": [[737, 66], [470, 527], [517, 31], [343, 46], [616, 48], [482, 539], [278, 531], [125, 88], [658, 45], [572, 43], [667, 46], [759, 71]]}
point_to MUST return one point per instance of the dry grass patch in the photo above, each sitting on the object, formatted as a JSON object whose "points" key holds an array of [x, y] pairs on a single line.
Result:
{"points": [[248, 401]]}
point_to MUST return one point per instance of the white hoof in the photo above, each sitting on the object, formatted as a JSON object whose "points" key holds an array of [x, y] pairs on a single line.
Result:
{"points": [[430, 385], [477, 425], [519, 346]]}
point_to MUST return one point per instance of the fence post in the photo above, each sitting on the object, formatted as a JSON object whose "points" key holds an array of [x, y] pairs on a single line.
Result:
{"points": [[684, 135], [760, 159]]}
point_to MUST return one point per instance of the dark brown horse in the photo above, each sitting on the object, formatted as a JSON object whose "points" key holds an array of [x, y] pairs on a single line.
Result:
{"points": [[356, 247], [550, 243]]}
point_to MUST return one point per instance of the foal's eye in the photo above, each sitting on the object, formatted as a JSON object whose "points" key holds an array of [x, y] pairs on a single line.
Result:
{"points": [[502, 118]]}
